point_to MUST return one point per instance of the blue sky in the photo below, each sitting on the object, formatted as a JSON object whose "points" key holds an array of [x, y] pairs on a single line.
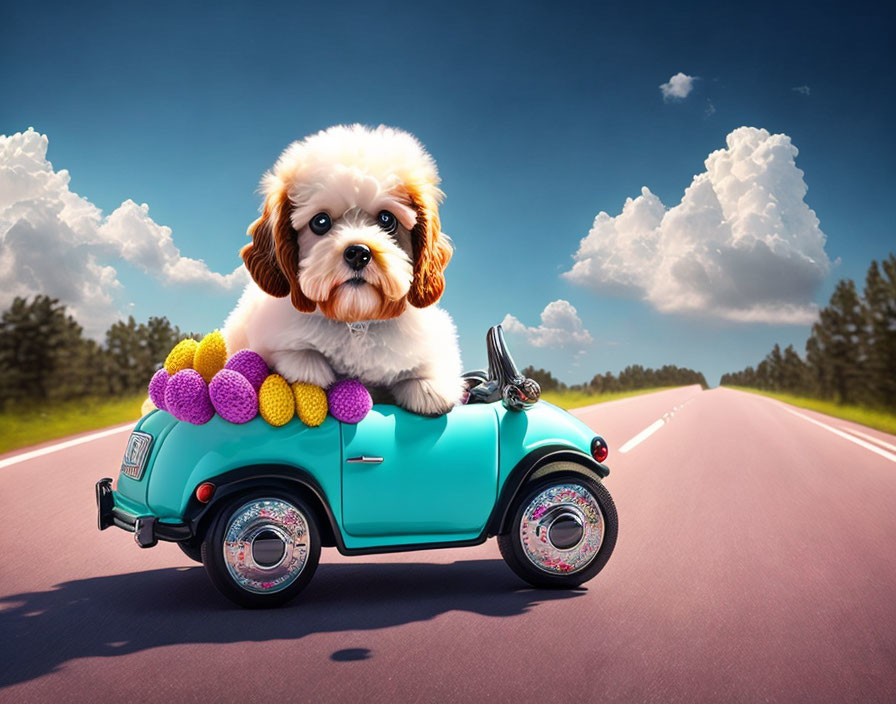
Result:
{"points": [[539, 116]]}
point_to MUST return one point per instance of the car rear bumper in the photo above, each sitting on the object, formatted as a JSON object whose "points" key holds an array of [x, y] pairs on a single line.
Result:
{"points": [[147, 530]]}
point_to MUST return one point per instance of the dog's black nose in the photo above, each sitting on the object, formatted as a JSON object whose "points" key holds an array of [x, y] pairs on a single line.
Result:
{"points": [[357, 256]]}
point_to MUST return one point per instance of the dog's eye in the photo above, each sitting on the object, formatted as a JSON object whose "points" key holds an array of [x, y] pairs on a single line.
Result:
{"points": [[320, 224], [387, 221]]}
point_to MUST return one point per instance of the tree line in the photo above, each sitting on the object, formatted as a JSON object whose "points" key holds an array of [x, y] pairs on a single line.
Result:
{"points": [[45, 356], [850, 355], [632, 378]]}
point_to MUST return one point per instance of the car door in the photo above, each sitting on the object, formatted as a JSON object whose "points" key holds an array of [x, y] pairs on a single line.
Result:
{"points": [[421, 479]]}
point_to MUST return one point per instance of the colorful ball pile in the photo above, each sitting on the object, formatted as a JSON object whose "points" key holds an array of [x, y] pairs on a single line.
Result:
{"points": [[198, 380]]}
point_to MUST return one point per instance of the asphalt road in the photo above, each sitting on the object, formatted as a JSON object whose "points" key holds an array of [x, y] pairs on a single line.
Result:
{"points": [[755, 562]]}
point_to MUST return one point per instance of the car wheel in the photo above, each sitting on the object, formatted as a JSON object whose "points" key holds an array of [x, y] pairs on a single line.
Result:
{"points": [[192, 548], [261, 549], [563, 531]]}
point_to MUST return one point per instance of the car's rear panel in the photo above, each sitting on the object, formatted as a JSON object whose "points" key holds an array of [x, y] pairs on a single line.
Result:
{"points": [[133, 491]]}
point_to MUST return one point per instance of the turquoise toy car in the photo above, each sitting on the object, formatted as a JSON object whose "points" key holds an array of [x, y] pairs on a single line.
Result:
{"points": [[256, 503]]}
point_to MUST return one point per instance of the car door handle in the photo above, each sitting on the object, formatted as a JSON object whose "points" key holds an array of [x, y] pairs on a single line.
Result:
{"points": [[364, 459]]}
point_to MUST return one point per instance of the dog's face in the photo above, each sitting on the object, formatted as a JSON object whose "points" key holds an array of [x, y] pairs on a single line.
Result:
{"points": [[351, 226]]}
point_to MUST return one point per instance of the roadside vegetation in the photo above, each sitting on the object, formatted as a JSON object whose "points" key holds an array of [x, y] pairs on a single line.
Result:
{"points": [[633, 378], [881, 420], [849, 367], [45, 356], [631, 381], [28, 425], [577, 399], [55, 381]]}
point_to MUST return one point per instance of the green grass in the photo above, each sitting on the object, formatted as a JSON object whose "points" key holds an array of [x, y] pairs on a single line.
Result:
{"points": [[873, 418], [20, 427], [577, 399]]}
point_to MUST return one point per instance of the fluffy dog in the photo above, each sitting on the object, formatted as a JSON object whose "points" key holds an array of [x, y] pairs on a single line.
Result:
{"points": [[348, 260]]}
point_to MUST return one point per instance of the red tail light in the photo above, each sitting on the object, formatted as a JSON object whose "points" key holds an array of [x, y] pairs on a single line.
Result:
{"points": [[599, 449], [205, 492]]}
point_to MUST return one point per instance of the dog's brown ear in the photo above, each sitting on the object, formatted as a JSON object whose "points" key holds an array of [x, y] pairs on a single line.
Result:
{"points": [[432, 252], [273, 257], [260, 256]]}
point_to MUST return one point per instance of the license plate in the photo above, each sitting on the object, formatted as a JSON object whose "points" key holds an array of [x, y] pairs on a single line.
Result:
{"points": [[135, 455]]}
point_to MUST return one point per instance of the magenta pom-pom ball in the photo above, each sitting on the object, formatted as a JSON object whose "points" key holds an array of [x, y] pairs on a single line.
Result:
{"points": [[157, 388], [233, 397], [251, 365], [349, 401], [187, 399]]}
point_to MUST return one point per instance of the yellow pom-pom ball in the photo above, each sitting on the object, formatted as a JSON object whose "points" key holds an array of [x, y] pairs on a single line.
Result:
{"points": [[211, 354], [181, 357], [275, 400], [311, 403]]}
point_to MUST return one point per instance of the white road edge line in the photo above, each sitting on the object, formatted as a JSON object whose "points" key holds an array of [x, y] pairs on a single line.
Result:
{"points": [[25, 456], [846, 436], [871, 438], [642, 436]]}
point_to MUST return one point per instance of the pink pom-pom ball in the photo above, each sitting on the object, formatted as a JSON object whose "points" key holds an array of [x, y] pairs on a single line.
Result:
{"points": [[349, 401], [157, 388], [251, 365], [233, 397], [187, 399]]}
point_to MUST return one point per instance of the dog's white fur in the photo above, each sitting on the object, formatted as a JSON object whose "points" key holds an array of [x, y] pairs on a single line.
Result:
{"points": [[363, 326], [415, 354]]}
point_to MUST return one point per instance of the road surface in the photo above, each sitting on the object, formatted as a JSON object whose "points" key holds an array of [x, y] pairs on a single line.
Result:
{"points": [[755, 562]]}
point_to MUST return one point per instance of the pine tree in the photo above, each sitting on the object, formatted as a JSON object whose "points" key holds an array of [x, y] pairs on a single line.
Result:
{"points": [[775, 368], [880, 298], [843, 342], [41, 350], [128, 356], [161, 336], [763, 378]]}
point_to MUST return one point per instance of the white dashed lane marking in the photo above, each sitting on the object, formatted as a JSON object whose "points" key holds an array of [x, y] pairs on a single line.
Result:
{"points": [[650, 429], [642, 436]]}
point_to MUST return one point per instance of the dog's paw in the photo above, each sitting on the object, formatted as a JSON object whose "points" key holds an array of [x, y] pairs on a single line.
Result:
{"points": [[305, 366], [421, 396]]}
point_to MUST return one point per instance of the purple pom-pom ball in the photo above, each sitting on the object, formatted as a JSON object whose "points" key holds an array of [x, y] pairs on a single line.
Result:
{"points": [[251, 365], [187, 399], [349, 401], [157, 388], [233, 397]]}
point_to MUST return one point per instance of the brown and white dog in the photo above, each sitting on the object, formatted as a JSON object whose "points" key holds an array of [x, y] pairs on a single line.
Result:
{"points": [[348, 260]]}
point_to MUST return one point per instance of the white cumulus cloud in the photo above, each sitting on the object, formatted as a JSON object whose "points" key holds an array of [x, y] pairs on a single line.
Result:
{"points": [[55, 242], [560, 327], [678, 87], [742, 244]]}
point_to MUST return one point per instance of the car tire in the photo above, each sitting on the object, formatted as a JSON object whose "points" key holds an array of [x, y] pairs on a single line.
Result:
{"points": [[262, 548], [562, 532], [192, 548]]}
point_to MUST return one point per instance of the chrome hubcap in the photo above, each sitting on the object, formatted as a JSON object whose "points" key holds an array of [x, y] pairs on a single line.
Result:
{"points": [[562, 529], [266, 545], [566, 530], [269, 548]]}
